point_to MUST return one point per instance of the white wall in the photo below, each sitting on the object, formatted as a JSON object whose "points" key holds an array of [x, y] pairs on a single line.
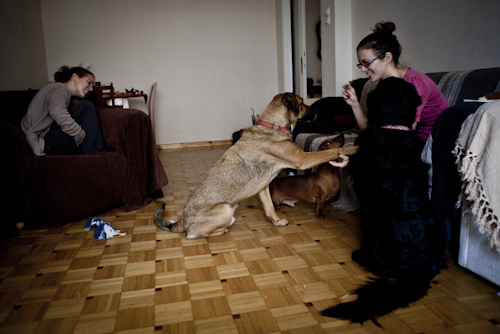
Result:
{"points": [[22, 60], [328, 46], [336, 46], [213, 60], [446, 35], [343, 45], [284, 44]]}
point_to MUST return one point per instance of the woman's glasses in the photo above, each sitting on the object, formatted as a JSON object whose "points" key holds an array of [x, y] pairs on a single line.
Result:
{"points": [[366, 63]]}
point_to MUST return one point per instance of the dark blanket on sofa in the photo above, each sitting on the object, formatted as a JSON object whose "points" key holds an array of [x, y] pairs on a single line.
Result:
{"points": [[134, 139]]}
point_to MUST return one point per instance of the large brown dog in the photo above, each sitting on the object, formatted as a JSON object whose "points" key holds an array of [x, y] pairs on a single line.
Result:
{"points": [[318, 187], [246, 169]]}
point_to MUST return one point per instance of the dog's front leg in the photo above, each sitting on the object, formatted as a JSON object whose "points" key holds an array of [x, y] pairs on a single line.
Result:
{"points": [[267, 203]]}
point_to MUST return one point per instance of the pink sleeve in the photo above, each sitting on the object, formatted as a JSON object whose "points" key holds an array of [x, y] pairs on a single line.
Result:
{"points": [[423, 89], [424, 92]]}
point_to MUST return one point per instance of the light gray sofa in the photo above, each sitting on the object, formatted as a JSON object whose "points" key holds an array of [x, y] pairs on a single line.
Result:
{"points": [[475, 252]]}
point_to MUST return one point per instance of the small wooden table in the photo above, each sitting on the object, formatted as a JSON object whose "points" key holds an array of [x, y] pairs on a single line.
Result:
{"points": [[125, 97]]}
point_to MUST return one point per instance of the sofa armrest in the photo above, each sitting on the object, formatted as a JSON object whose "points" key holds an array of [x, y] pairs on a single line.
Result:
{"points": [[129, 132], [114, 123], [12, 153]]}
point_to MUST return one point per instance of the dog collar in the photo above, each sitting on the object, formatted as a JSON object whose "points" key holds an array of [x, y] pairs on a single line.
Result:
{"points": [[395, 127], [273, 126]]}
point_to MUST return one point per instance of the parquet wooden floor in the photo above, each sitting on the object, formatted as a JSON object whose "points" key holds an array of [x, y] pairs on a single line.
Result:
{"points": [[255, 279]]}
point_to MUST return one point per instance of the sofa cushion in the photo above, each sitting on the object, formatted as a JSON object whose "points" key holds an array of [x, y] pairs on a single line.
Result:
{"points": [[479, 83], [472, 84]]}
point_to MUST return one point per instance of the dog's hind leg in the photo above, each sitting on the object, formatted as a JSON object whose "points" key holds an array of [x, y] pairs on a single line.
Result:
{"points": [[267, 203], [212, 223], [220, 231], [320, 203]]}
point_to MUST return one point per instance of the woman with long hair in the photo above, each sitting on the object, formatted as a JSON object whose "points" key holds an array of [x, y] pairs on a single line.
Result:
{"points": [[57, 124]]}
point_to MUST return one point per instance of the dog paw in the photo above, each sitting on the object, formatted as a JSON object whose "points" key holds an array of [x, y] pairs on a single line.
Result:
{"points": [[281, 222]]}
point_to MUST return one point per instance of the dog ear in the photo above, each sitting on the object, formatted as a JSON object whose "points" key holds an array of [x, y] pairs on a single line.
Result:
{"points": [[339, 140], [290, 101]]}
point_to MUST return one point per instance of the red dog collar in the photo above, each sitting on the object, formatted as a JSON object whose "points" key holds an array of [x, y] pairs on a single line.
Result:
{"points": [[273, 126]]}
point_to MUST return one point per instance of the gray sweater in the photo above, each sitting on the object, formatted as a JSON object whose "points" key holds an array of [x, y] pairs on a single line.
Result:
{"points": [[50, 104]]}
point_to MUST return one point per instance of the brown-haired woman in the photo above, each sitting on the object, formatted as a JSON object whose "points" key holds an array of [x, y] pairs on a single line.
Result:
{"points": [[378, 56], [56, 124]]}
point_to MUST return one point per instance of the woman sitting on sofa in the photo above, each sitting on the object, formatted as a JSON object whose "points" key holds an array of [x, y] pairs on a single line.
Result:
{"points": [[57, 124], [378, 56]]}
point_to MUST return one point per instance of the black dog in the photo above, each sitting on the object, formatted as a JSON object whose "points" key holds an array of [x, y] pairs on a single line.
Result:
{"points": [[403, 240]]}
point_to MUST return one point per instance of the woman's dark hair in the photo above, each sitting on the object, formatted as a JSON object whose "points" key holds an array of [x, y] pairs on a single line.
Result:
{"points": [[65, 73], [382, 41]]}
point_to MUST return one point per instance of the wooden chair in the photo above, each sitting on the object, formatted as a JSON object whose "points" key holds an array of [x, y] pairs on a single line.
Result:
{"points": [[151, 105], [107, 92]]}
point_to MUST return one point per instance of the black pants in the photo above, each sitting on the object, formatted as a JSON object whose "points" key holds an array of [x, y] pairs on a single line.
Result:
{"points": [[57, 142]]}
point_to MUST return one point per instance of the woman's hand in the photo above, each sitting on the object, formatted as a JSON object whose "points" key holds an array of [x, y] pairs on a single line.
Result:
{"points": [[349, 94], [341, 164]]}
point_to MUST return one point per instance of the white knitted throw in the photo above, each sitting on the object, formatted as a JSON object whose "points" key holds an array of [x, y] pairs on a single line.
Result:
{"points": [[478, 159]]}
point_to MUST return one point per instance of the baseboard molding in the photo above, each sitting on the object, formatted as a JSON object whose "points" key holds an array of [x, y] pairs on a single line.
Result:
{"points": [[195, 144]]}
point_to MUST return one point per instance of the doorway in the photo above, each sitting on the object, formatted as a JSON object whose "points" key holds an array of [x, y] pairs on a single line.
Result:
{"points": [[306, 47]]}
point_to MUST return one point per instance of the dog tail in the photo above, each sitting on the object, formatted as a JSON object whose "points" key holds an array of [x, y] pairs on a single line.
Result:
{"points": [[379, 297], [167, 225]]}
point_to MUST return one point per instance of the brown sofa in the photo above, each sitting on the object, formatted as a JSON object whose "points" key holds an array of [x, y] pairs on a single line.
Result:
{"points": [[61, 189]]}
